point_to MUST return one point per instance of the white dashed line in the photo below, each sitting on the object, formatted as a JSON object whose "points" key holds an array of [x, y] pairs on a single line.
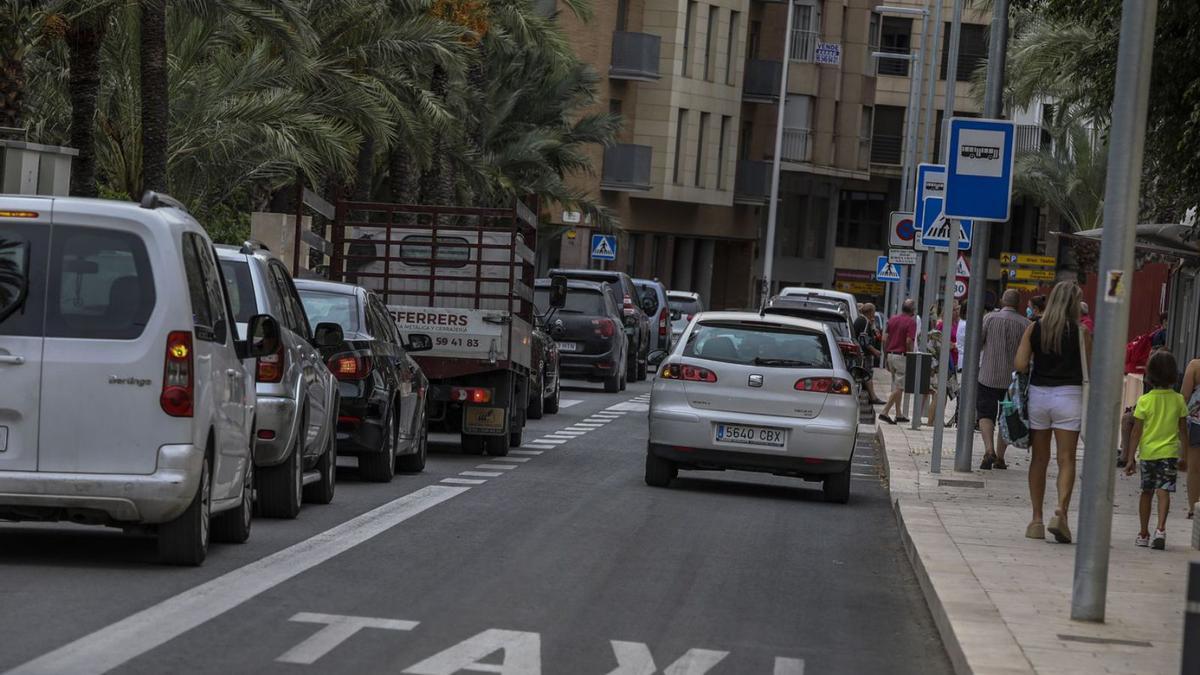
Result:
{"points": [[568, 435], [513, 459], [548, 440], [481, 474], [586, 425], [494, 467], [568, 402], [463, 481], [525, 452]]}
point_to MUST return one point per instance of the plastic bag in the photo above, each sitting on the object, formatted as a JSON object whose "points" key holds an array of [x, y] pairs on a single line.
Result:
{"points": [[1014, 412]]}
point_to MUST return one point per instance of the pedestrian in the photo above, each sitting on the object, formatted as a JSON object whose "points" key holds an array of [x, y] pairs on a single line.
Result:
{"points": [[1086, 318], [1159, 431], [1191, 393], [864, 332], [898, 340], [961, 341], [1000, 338], [935, 340], [1037, 307], [1159, 339], [1055, 350]]}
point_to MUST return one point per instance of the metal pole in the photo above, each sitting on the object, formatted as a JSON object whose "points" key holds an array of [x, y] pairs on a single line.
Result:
{"points": [[951, 77], [1127, 140], [910, 151], [1191, 622], [931, 97], [993, 108], [773, 209]]}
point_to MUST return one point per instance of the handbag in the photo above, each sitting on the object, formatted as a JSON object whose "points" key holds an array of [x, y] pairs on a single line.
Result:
{"points": [[1014, 412]]}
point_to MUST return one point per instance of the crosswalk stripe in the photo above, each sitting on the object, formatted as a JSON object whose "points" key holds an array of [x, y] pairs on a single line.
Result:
{"points": [[493, 467], [462, 481], [481, 474]]}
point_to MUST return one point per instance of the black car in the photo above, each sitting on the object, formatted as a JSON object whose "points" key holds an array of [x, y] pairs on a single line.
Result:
{"points": [[829, 313], [634, 319], [587, 328], [381, 418], [544, 384]]}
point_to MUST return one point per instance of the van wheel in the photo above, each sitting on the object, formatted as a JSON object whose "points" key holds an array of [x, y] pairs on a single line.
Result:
{"points": [[537, 407], [415, 463], [659, 472], [281, 488], [380, 467], [233, 526], [612, 384], [497, 446], [836, 487], [515, 438], [184, 541], [321, 492], [551, 404]]}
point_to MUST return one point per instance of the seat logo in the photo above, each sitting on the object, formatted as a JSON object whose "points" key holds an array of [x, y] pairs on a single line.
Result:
{"points": [[756, 380]]}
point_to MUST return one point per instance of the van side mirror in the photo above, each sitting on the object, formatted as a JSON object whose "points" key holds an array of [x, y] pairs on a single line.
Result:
{"points": [[262, 337], [418, 342], [14, 276], [329, 334], [558, 292]]}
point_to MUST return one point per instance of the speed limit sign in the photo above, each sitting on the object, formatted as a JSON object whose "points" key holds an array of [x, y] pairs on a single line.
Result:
{"points": [[960, 289]]}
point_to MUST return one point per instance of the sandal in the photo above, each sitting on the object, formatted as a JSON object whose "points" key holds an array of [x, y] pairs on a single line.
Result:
{"points": [[1059, 528], [885, 418], [999, 464], [986, 464], [1035, 531]]}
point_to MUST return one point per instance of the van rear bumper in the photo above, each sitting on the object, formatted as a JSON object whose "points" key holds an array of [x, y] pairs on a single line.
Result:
{"points": [[108, 499]]}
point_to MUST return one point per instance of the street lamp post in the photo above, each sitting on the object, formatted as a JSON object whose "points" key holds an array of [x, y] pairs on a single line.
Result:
{"points": [[773, 208]]}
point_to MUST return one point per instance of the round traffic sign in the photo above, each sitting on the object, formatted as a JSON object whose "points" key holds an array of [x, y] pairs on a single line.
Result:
{"points": [[960, 288], [905, 229]]}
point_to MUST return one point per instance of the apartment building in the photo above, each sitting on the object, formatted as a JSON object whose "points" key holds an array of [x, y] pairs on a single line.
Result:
{"points": [[674, 70]]}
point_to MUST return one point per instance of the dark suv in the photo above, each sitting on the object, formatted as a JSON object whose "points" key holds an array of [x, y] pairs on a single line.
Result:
{"points": [[587, 328], [635, 321]]}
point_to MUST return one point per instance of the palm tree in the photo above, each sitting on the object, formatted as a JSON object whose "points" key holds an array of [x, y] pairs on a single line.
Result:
{"points": [[84, 36], [22, 23], [1068, 177]]}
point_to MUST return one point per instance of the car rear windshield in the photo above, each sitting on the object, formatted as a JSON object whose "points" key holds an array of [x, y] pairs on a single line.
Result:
{"points": [[649, 294], [685, 305], [100, 284], [579, 301], [758, 344], [336, 308], [241, 289]]}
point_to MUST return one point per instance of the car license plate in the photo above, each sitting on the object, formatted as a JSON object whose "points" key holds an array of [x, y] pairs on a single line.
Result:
{"points": [[479, 420], [568, 346], [741, 434]]}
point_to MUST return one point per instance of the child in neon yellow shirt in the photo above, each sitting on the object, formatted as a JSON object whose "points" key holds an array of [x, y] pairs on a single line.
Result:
{"points": [[1159, 427]]}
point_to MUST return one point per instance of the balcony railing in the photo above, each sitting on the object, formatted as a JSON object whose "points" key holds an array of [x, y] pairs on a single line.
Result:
{"points": [[635, 56], [796, 145], [886, 149], [762, 81], [1029, 137], [626, 167], [753, 180], [804, 45]]}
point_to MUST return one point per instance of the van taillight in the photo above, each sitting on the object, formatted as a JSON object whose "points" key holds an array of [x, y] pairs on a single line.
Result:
{"points": [[676, 371], [824, 385], [178, 385], [662, 322], [270, 367], [605, 327], [350, 366]]}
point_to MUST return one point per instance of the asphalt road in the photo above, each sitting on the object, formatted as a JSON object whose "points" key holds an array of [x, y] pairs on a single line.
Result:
{"points": [[556, 560]]}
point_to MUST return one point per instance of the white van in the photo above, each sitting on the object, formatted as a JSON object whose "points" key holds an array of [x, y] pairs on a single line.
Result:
{"points": [[124, 400]]}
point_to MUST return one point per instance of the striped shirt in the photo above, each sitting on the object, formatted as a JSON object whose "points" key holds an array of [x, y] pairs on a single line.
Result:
{"points": [[1002, 333]]}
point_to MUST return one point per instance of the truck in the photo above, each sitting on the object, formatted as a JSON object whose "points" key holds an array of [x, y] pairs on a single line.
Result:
{"points": [[464, 276]]}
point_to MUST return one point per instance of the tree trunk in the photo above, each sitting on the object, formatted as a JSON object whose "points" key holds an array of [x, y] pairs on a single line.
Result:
{"points": [[402, 188], [155, 105], [84, 38], [12, 86], [365, 170]]}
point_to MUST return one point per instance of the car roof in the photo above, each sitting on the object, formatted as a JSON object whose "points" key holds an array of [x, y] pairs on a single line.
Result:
{"points": [[684, 294], [650, 282], [811, 303], [165, 211], [823, 312], [328, 286], [596, 274], [573, 283], [778, 319], [825, 292]]}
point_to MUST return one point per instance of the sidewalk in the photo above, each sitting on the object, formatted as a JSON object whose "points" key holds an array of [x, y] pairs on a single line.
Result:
{"points": [[1003, 602]]}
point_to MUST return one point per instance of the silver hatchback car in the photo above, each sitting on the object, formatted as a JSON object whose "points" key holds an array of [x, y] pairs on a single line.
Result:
{"points": [[295, 450], [755, 392]]}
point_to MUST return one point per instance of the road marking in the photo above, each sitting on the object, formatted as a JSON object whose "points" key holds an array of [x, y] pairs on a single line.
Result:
{"points": [[607, 415], [338, 629], [512, 459], [568, 402], [481, 474], [577, 431], [462, 481], [568, 435], [522, 654], [598, 421], [786, 666], [634, 658], [493, 467], [586, 425], [116, 644], [629, 406], [548, 441], [526, 452]]}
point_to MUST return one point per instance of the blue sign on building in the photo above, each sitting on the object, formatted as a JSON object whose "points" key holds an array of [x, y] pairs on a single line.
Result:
{"points": [[604, 247], [979, 173]]}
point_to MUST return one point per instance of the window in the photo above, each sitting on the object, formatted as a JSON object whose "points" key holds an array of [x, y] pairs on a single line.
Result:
{"points": [[747, 135], [895, 37], [759, 345], [731, 45], [865, 124], [861, 219], [330, 307], [296, 320], [15, 240], [887, 139], [208, 306], [416, 250], [806, 25], [873, 35], [241, 289], [387, 324], [700, 168], [972, 50], [680, 130], [797, 129], [614, 106], [688, 18], [710, 42], [579, 301], [754, 39], [721, 151], [804, 226], [622, 14], [100, 284]]}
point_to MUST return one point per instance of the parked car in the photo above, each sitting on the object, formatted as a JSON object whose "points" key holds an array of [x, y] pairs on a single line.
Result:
{"points": [[587, 329], [545, 384], [653, 301], [295, 451], [635, 321], [848, 301], [683, 305], [126, 400], [381, 414], [828, 312], [754, 392]]}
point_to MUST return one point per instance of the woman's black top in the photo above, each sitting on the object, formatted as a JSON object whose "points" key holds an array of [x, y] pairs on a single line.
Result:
{"points": [[1056, 369]]}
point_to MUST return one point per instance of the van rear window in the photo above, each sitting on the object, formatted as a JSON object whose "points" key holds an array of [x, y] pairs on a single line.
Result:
{"points": [[100, 284], [31, 243]]}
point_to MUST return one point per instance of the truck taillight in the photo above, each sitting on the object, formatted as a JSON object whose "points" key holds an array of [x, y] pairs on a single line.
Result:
{"points": [[605, 327], [270, 367], [350, 366], [471, 394], [676, 371], [178, 378], [663, 322], [824, 385]]}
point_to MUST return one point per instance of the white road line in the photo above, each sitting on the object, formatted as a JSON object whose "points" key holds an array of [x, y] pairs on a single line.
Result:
{"points": [[567, 434], [526, 452], [495, 467], [139, 633], [598, 421], [462, 481], [548, 440], [512, 459], [568, 402], [586, 425], [481, 474]]}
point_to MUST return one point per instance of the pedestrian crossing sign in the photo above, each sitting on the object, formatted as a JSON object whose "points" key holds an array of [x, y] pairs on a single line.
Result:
{"points": [[604, 247], [886, 270], [936, 230]]}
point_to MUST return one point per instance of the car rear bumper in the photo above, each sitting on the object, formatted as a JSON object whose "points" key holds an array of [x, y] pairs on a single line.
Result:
{"points": [[700, 458], [360, 427], [590, 366], [278, 414], [112, 499]]}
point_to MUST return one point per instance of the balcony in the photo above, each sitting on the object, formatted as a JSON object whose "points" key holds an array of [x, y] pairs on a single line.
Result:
{"points": [[804, 45], [762, 81], [635, 56], [752, 184], [1029, 138], [797, 146], [886, 149], [626, 168]]}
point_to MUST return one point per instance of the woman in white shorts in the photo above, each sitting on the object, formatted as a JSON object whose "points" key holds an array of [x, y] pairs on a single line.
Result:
{"points": [[1054, 350]]}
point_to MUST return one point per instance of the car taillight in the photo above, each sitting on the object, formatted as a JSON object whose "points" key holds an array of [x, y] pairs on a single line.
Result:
{"points": [[627, 305], [270, 367], [824, 385], [848, 347], [663, 322], [350, 366], [178, 384], [471, 394], [676, 371], [605, 327]]}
